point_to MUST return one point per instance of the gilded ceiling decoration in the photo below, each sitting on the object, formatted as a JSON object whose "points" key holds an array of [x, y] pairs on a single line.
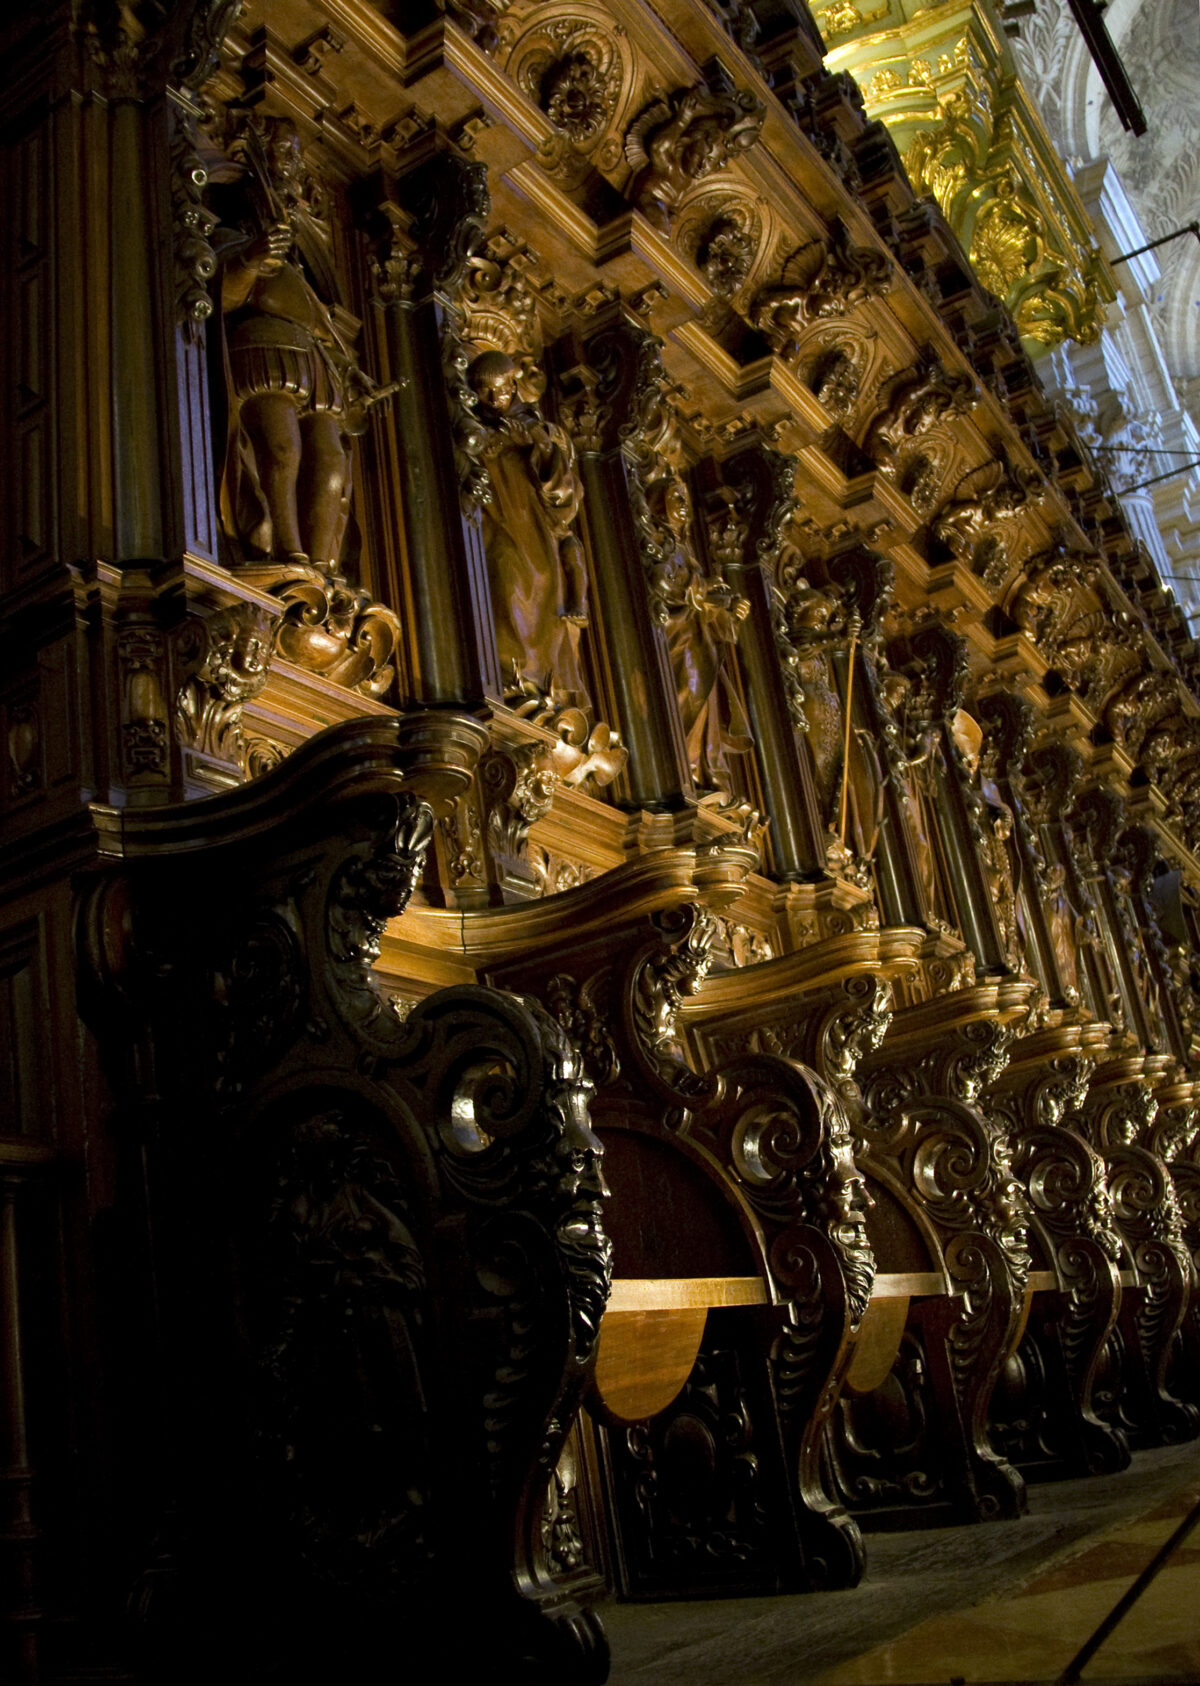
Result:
{"points": [[971, 138]]}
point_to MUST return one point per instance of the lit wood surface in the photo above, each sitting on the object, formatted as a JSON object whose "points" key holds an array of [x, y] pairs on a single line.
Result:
{"points": [[643, 1293], [645, 1357]]}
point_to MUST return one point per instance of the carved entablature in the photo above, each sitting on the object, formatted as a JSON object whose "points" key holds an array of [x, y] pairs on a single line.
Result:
{"points": [[822, 281]]}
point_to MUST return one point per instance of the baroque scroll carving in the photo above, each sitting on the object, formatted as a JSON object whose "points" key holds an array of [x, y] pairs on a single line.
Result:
{"points": [[823, 280], [681, 139]]}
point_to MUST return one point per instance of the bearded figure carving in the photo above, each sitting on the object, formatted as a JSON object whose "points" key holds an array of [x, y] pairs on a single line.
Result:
{"points": [[841, 1203], [535, 561]]}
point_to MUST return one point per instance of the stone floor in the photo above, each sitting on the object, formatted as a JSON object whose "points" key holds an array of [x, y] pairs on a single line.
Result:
{"points": [[1004, 1602]]}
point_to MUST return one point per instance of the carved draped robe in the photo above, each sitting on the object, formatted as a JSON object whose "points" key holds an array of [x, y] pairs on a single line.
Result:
{"points": [[534, 500], [701, 634]]}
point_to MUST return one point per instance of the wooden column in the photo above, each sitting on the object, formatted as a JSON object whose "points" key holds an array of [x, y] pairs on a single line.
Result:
{"points": [[763, 483], [961, 814], [1100, 816], [866, 582], [611, 395], [427, 224]]}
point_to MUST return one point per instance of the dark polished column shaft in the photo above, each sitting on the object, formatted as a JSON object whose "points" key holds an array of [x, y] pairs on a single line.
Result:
{"points": [[609, 398], [634, 654], [425, 225], [797, 846]]}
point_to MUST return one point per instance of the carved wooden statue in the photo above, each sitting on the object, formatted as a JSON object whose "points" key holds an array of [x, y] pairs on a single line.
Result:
{"points": [[535, 561], [702, 620], [296, 394]]}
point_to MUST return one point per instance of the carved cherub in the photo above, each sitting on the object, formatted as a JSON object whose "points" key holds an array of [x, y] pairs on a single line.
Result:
{"points": [[682, 138]]}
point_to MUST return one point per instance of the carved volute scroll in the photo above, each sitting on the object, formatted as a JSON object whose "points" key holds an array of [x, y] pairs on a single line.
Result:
{"points": [[1073, 1231], [970, 524], [926, 1136], [578, 68], [823, 280], [1117, 1119], [911, 403], [414, 1208]]}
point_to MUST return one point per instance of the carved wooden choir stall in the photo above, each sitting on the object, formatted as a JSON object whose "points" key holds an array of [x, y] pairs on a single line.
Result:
{"points": [[601, 847]]}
